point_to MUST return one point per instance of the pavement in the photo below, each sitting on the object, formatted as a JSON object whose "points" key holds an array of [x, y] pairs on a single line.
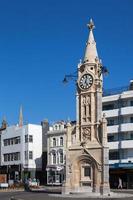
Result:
{"points": [[52, 193]]}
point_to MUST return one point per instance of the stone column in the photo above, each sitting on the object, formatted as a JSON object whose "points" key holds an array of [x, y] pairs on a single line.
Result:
{"points": [[66, 186], [77, 119], [97, 181], [68, 135], [105, 188], [92, 115]]}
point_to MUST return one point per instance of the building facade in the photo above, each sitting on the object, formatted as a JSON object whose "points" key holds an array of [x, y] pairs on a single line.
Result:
{"points": [[56, 152], [118, 108], [21, 151], [45, 129]]}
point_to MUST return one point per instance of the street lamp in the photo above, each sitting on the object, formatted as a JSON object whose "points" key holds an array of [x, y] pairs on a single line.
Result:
{"points": [[70, 77], [74, 76]]}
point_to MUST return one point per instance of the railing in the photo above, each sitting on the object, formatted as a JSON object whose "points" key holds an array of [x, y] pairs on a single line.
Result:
{"points": [[114, 91]]}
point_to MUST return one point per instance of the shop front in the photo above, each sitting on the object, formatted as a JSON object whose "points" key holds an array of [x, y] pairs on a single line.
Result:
{"points": [[123, 172], [55, 175], [13, 172]]}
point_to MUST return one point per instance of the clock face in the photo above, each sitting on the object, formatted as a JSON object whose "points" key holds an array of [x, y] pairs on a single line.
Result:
{"points": [[86, 81]]}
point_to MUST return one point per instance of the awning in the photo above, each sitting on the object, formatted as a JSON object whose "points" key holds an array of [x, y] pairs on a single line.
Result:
{"points": [[54, 168]]}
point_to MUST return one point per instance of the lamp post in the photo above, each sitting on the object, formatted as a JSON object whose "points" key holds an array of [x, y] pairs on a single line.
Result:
{"points": [[74, 75], [70, 77]]}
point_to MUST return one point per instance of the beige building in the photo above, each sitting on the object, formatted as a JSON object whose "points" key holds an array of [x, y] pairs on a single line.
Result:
{"points": [[87, 151]]}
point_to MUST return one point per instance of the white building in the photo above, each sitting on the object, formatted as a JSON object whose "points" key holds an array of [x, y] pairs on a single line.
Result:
{"points": [[118, 107], [21, 151], [56, 150]]}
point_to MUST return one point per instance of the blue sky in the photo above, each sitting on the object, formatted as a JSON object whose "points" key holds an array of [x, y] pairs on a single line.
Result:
{"points": [[42, 40]]}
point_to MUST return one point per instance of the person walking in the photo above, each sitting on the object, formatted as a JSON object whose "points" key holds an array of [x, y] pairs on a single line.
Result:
{"points": [[120, 184]]}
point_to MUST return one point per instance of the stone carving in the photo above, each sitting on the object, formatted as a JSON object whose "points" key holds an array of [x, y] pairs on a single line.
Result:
{"points": [[86, 100], [70, 168], [86, 108], [86, 133]]}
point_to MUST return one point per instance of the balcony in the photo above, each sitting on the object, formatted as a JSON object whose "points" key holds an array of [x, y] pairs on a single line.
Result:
{"points": [[124, 144], [113, 145], [120, 128], [126, 127], [113, 129], [126, 110], [127, 144], [120, 111], [111, 113]]}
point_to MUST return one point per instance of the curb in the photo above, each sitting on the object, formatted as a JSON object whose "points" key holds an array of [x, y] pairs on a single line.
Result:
{"points": [[13, 198], [11, 190]]}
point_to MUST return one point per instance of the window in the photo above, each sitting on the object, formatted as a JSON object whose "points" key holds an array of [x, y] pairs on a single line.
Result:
{"points": [[30, 155], [5, 142], [26, 155], [61, 157], [87, 171], [54, 142], [108, 107], [8, 142], [12, 157], [17, 156], [54, 158], [131, 103], [110, 122], [123, 103], [61, 141], [28, 138], [110, 138], [8, 157], [131, 119], [17, 140], [12, 141], [5, 158], [114, 155], [131, 136]]}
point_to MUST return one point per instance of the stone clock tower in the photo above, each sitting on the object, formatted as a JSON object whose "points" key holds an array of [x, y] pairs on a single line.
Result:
{"points": [[87, 151]]}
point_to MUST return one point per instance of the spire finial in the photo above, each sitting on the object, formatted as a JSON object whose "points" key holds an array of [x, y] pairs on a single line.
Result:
{"points": [[91, 25], [21, 117], [4, 123], [91, 50]]}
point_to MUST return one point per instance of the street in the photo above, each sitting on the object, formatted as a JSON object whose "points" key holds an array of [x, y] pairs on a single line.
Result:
{"points": [[43, 196]]}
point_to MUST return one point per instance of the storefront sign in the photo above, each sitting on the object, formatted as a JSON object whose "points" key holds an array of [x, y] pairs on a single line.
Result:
{"points": [[121, 165]]}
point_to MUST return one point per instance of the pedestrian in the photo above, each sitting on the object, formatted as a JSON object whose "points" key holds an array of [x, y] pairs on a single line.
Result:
{"points": [[38, 182], [120, 184]]}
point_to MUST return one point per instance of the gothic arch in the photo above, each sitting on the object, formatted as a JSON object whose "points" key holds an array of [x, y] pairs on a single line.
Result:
{"points": [[76, 169]]}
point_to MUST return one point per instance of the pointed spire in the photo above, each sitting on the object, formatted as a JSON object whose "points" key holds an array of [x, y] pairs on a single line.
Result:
{"points": [[4, 123], [91, 50], [21, 117]]}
